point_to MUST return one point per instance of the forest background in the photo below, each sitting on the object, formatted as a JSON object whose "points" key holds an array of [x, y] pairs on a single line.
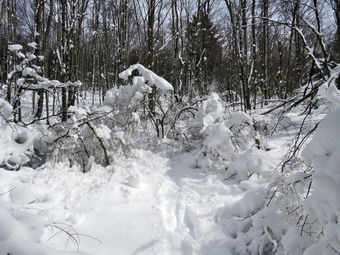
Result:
{"points": [[250, 51]]}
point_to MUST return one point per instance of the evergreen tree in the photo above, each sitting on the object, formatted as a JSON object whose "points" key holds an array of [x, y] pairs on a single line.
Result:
{"points": [[204, 51]]}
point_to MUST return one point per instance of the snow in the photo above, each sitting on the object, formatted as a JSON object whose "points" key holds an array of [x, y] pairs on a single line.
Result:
{"points": [[17, 143], [33, 45], [226, 195], [31, 57], [210, 110], [158, 203], [164, 205], [219, 139], [21, 232], [29, 72], [103, 131], [328, 92], [148, 75], [14, 47], [5, 110], [20, 54], [252, 161], [323, 152], [127, 96], [326, 139]]}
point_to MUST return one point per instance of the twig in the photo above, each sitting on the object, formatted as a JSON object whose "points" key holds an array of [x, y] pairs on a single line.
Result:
{"points": [[337, 252], [309, 186], [304, 223], [100, 142], [71, 237], [8, 191], [231, 176]]}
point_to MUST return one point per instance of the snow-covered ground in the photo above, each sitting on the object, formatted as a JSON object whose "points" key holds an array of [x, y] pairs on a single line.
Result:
{"points": [[228, 195], [151, 204]]}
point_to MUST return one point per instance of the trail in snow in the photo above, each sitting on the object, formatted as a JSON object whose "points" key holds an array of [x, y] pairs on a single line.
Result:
{"points": [[153, 205], [171, 211]]}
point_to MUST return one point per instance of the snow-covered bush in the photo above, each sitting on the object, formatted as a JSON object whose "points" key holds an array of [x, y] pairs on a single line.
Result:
{"points": [[318, 229], [127, 96], [298, 213], [322, 206], [254, 227], [87, 136], [251, 161], [101, 134], [328, 93], [225, 137], [27, 76], [210, 111], [134, 100]]}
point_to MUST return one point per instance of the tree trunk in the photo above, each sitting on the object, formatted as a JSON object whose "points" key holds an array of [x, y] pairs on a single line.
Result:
{"points": [[38, 19], [245, 64], [253, 53], [337, 16], [265, 41], [150, 49], [63, 55]]}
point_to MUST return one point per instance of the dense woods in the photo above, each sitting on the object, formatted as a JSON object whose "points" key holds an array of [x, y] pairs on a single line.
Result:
{"points": [[250, 51]]}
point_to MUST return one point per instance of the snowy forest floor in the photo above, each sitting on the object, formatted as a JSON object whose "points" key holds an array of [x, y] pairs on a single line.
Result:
{"points": [[152, 203]]}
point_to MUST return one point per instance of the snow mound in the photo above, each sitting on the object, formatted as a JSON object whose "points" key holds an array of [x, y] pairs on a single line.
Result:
{"points": [[329, 91], [20, 234], [325, 142], [17, 142], [252, 161], [239, 118], [134, 180], [5, 110]]}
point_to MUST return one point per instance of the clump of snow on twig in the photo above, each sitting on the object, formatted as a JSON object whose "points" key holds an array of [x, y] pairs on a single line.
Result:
{"points": [[148, 75]]}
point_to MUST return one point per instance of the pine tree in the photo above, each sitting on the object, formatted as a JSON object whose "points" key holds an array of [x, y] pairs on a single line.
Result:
{"points": [[204, 51]]}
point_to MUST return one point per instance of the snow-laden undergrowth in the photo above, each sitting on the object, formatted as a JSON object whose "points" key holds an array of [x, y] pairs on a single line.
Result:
{"points": [[225, 195]]}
